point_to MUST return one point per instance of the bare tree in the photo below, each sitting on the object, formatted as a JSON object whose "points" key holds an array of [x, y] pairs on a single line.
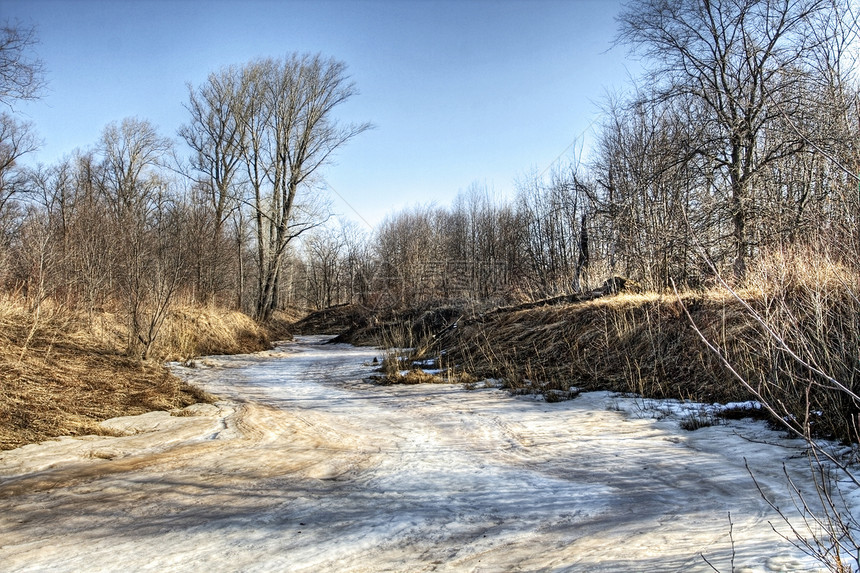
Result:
{"points": [[90, 240], [325, 251], [131, 150], [215, 134], [475, 248], [144, 217], [410, 251], [21, 78], [22, 75], [290, 133], [744, 64], [16, 140], [552, 215], [358, 264], [643, 188]]}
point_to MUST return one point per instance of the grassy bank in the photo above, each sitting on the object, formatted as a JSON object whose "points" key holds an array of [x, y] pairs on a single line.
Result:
{"points": [[65, 372], [790, 335]]}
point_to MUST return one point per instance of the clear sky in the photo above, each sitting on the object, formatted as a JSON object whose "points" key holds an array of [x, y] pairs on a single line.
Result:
{"points": [[459, 91]]}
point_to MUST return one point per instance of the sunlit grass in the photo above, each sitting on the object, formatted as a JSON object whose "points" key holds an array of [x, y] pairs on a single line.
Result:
{"points": [[73, 371]]}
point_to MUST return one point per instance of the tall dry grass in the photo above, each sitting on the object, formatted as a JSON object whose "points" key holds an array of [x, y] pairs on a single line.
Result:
{"points": [[628, 343], [62, 372], [807, 360], [191, 331], [648, 344]]}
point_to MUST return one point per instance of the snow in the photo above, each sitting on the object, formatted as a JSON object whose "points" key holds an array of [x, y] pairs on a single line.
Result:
{"points": [[303, 466], [679, 409]]}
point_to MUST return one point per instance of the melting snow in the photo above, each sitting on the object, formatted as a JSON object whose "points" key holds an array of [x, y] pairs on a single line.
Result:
{"points": [[305, 467]]}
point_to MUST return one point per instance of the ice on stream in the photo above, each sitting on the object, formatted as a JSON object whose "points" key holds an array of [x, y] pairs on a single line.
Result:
{"points": [[304, 466]]}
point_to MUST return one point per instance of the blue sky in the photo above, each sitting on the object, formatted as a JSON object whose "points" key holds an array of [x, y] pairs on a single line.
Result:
{"points": [[460, 92]]}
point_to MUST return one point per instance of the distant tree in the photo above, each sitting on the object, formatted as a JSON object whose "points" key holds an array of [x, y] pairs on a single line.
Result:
{"points": [[325, 268], [410, 250], [22, 75], [131, 151], [551, 215], [476, 248], [92, 249], [358, 263]]}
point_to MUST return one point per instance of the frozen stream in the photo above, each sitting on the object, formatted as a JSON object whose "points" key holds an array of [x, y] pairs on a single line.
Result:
{"points": [[304, 467]]}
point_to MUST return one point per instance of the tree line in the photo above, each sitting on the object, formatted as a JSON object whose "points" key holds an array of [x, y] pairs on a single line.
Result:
{"points": [[137, 222], [741, 137]]}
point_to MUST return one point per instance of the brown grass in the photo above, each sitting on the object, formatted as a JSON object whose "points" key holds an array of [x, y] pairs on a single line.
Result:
{"points": [[73, 372], [810, 305], [418, 376], [198, 331], [639, 343], [646, 343]]}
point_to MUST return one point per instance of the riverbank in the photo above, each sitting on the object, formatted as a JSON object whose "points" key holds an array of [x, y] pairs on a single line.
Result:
{"points": [[789, 337], [62, 372]]}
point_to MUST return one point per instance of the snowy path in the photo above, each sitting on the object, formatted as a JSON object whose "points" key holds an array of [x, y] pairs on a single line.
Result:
{"points": [[304, 467]]}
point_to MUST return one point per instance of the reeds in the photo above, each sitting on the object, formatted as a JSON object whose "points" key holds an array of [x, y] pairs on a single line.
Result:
{"points": [[807, 309]]}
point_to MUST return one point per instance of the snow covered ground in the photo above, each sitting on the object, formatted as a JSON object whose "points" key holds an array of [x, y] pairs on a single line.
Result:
{"points": [[305, 467]]}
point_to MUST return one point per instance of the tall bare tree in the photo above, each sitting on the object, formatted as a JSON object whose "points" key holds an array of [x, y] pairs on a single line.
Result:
{"points": [[16, 140], [290, 134], [744, 64], [215, 134]]}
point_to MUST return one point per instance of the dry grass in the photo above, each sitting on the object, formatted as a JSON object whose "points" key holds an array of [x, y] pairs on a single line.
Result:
{"points": [[646, 344], [638, 343], [419, 376], [280, 326], [390, 326], [405, 367], [810, 306], [198, 331], [73, 373]]}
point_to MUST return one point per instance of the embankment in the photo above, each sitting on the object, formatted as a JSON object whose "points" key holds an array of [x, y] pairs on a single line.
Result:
{"points": [[790, 337], [62, 371]]}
